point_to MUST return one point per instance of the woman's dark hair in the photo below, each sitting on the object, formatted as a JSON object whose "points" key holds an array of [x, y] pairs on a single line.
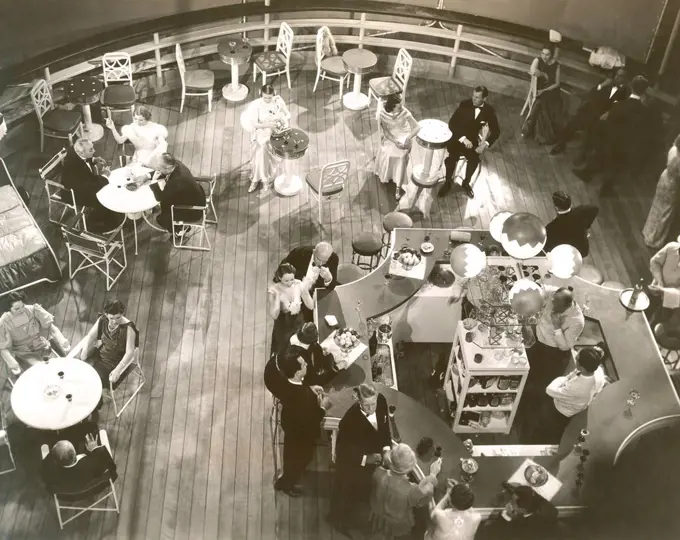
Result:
{"points": [[590, 358], [550, 47], [268, 89], [639, 85], [461, 497], [282, 270], [143, 111], [288, 362], [114, 307], [15, 296], [391, 102]]}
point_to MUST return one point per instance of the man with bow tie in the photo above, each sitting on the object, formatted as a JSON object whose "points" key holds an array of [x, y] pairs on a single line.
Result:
{"points": [[475, 128], [86, 174]]}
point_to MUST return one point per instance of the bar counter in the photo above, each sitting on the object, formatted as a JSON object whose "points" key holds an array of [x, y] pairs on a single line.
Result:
{"points": [[612, 425]]}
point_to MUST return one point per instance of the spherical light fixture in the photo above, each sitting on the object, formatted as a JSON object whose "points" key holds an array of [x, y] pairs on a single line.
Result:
{"points": [[565, 261], [496, 225], [526, 297], [467, 260], [523, 235]]}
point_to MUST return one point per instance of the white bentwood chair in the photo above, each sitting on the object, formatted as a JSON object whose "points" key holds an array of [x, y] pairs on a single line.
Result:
{"points": [[53, 122], [275, 62], [329, 64], [195, 82]]}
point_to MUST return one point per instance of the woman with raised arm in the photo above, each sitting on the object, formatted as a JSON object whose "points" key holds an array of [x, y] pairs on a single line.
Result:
{"points": [[286, 296], [148, 138]]}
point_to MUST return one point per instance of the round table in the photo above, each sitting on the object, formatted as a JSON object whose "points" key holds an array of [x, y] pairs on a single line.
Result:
{"points": [[234, 51], [357, 62], [433, 135], [39, 394], [117, 198], [289, 147], [85, 91]]}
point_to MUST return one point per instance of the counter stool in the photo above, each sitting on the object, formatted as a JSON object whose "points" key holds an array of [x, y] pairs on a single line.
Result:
{"points": [[348, 273], [614, 285], [391, 221], [670, 343], [366, 244], [589, 273]]}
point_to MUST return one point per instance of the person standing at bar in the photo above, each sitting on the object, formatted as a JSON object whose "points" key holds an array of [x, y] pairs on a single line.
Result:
{"points": [[665, 269]]}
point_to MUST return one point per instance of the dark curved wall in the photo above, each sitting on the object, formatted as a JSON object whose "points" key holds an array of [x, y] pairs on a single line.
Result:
{"points": [[33, 26]]}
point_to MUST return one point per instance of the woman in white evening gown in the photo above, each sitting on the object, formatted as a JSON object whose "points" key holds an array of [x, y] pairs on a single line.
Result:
{"points": [[263, 116], [286, 296], [148, 138]]}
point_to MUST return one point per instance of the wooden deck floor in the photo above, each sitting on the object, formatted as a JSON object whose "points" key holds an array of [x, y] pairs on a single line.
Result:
{"points": [[193, 451]]}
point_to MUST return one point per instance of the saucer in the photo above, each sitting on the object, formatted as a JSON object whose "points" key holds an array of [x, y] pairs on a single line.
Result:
{"points": [[427, 247]]}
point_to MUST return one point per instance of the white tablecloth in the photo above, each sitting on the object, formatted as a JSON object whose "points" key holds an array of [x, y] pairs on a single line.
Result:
{"points": [[547, 491], [117, 198], [39, 395]]}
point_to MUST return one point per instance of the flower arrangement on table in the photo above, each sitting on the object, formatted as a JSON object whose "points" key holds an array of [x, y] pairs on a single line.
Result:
{"points": [[346, 339]]}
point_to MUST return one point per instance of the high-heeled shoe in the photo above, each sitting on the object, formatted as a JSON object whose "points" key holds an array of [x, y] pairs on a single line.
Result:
{"points": [[253, 187]]}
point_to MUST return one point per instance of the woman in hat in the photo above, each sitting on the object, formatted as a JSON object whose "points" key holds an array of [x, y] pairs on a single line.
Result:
{"points": [[394, 496]]}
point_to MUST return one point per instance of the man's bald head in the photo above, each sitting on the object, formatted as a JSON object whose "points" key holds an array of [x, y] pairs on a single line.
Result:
{"points": [[563, 299], [64, 453], [322, 252]]}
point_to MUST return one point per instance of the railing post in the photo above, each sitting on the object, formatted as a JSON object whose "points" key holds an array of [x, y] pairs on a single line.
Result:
{"points": [[267, 3], [157, 54], [47, 75], [362, 30], [456, 46]]}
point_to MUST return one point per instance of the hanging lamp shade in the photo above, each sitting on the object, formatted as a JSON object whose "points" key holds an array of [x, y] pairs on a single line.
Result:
{"points": [[523, 235], [496, 225], [565, 261], [467, 260], [526, 297]]}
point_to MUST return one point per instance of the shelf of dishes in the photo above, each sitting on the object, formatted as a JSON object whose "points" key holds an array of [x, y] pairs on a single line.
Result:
{"points": [[489, 358], [475, 421]]}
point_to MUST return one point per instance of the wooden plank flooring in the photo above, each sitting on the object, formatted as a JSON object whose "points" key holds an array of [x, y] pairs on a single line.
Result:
{"points": [[193, 450]]}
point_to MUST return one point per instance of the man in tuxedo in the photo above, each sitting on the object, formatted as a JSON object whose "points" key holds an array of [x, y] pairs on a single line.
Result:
{"points": [[321, 367], [181, 189], [571, 224], [363, 433], [86, 175], [301, 416], [475, 128], [596, 103], [621, 138], [64, 470]]}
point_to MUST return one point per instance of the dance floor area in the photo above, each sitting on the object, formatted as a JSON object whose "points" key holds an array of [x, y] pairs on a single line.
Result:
{"points": [[193, 450]]}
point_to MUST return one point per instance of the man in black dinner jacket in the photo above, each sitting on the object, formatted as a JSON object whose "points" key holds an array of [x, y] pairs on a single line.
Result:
{"points": [[363, 433], [596, 103], [301, 417], [83, 173], [181, 189], [317, 265], [571, 224], [475, 128]]}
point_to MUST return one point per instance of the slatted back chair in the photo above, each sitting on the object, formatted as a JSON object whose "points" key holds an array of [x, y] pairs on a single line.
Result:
{"points": [[118, 94], [190, 229], [209, 185], [328, 181], [4, 440], [329, 64], [61, 200], [106, 254], [271, 63], [102, 487], [382, 87], [195, 82], [53, 122]]}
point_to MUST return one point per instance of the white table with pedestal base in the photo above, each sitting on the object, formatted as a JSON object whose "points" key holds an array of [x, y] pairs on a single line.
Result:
{"points": [[56, 394], [357, 62], [291, 146], [234, 51], [134, 204]]}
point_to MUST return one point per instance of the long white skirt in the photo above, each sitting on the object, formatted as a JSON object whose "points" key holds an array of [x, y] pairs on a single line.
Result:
{"points": [[264, 164], [391, 164]]}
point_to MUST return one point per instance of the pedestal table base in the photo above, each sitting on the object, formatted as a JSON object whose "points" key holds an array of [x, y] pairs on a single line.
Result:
{"points": [[288, 185], [355, 101]]}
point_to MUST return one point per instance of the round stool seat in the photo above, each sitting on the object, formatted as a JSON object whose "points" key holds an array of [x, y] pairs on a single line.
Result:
{"points": [[670, 342], [592, 274], [347, 273], [367, 244], [396, 220], [614, 285]]}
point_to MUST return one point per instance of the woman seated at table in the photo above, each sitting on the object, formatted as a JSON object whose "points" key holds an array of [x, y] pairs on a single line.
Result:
{"points": [[148, 138], [398, 129], [25, 334], [286, 296], [262, 117], [110, 343], [547, 114]]}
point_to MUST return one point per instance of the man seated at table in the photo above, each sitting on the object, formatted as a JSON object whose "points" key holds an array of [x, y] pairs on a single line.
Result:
{"points": [[181, 189], [86, 174], [66, 470], [321, 366], [317, 265]]}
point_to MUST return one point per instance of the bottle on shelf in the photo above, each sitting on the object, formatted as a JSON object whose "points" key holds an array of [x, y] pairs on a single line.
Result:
{"points": [[636, 293], [362, 329], [372, 344], [393, 424]]}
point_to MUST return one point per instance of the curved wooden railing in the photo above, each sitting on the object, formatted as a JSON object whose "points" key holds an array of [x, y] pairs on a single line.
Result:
{"points": [[150, 43]]}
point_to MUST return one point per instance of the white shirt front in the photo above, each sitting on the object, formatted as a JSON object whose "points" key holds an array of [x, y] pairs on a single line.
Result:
{"points": [[313, 273], [574, 392], [613, 91], [373, 419], [477, 111]]}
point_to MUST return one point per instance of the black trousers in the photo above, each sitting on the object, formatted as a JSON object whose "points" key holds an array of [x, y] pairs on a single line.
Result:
{"points": [[546, 364], [547, 425], [457, 149], [297, 454], [351, 494]]}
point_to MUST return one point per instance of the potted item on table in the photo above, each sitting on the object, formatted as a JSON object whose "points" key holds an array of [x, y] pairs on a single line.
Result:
{"points": [[346, 339]]}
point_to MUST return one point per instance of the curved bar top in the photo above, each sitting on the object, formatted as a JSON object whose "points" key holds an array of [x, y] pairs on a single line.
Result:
{"points": [[629, 339]]}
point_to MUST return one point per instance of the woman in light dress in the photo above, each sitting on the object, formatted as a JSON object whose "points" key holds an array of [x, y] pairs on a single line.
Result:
{"points": [[286, 296], [398, 129], [454, 518], [148, 138], [547, 115], [662, 221], [263, 116]]}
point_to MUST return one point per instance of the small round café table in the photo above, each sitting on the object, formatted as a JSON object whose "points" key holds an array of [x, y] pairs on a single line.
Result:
{"points": [[234, 51], [85, 91], [39, 397], [134, 204], [357, 62], [291, 146]]}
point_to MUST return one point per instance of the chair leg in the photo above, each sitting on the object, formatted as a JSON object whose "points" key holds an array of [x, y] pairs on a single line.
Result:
{"points": [[316, 82], [254, 73], [288, 76], [210, 96], [42, 141], [181, 105]]}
